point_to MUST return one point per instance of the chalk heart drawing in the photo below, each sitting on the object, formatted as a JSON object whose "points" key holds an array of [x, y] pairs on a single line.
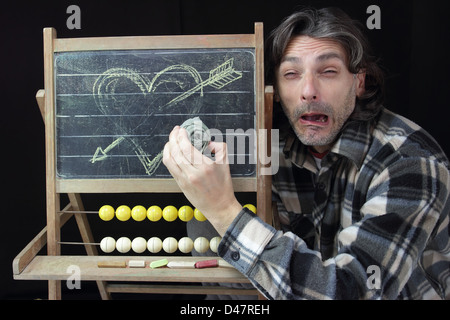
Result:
{"points": [[131, 98]]}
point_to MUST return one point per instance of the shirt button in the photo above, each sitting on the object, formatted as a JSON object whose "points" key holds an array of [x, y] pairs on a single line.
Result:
{"points": [[235, 256], [321, 186]]}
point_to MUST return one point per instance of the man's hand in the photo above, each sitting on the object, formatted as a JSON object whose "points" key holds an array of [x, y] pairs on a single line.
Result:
{"points": [[205, 183]]}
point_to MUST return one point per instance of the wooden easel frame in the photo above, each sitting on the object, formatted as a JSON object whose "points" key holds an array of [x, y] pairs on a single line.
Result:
{"points": [[29, 266]]}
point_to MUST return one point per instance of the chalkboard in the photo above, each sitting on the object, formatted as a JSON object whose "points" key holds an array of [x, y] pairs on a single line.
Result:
{"points": [[115, 109]]}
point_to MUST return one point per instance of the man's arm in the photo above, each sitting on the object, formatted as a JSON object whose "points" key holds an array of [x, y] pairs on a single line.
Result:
{"points": [[206, 183]]}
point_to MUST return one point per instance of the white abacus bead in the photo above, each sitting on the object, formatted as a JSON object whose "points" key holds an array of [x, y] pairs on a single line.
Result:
{"points": [[214, 244], [201, 244], [139, 245], [154, 245], [123, 244], [108, 244], [185, 245], [170, 245]]}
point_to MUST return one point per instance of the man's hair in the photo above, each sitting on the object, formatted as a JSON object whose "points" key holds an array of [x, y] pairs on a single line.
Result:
{"points": [[332, 24]]}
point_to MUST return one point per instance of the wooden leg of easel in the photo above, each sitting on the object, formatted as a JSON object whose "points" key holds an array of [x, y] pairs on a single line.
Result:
{"points": [[53, 238], [54, 290], [83, 223], [86, 235], [264, 187]]}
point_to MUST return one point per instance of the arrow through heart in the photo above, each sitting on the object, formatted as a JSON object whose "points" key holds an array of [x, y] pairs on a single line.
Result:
{"points": [[112, 95]]}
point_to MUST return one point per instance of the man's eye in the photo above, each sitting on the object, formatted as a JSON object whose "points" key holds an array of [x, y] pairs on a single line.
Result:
{"points": [[329, 72], [290, 75]]}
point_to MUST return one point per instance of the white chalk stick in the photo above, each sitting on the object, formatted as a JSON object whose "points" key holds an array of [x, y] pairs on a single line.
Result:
{"points": [[181, 264], [136, 264]]}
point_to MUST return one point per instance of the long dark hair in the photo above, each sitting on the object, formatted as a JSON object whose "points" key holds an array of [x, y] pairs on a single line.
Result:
{"points": [[336, 25]]}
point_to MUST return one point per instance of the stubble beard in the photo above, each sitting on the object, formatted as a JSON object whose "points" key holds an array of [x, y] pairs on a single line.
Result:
{"points": [[314, 135]]}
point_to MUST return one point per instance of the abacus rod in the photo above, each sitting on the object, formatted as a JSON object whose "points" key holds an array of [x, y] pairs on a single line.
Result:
{"points": [[79, 243], [72, 211]]}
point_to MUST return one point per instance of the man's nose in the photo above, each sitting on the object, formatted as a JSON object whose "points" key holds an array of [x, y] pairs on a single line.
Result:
{"points": [[309, 91]]}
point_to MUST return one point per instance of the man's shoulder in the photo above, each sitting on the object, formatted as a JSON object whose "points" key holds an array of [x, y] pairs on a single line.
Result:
{"points": [[404, 137], [392, 125]]}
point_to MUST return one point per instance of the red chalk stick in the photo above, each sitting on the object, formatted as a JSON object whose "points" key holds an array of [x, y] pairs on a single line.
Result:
{"points": [[207, 264]]}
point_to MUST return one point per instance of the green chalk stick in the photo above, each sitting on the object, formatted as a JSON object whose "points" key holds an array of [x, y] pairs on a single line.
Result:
{"points": [[159, 263]]}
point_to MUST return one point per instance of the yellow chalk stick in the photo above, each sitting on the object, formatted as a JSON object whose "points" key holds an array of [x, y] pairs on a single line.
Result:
{"points": [[112, 264]]}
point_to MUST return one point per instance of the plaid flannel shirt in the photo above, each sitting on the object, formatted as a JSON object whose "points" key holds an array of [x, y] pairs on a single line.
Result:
{"points": [[371, 223]]}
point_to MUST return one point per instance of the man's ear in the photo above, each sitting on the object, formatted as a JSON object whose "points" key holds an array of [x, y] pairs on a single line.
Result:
{"points": [[361, 83]]}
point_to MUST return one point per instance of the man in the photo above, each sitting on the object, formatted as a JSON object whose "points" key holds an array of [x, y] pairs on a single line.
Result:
{"points": [[362, 193]]}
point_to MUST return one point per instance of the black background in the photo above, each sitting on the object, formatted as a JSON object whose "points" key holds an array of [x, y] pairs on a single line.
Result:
{"points": [[412, 45]]}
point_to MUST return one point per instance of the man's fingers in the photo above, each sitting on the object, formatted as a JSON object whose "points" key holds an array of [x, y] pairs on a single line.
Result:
{"points": [[220, 151], [169, 162], [193, 156], [177, 148], [180, 152]]}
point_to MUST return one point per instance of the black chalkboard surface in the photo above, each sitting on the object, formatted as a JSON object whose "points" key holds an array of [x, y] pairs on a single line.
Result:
{"points": [[115, 109]]}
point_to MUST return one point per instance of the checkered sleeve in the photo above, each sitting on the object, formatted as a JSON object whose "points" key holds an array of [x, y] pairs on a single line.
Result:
{"points": [[269, 258], [278, 264]]}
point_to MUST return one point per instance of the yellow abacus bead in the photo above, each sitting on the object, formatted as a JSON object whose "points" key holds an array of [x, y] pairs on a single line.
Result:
{"points": [[106, 213], [139, 213], [123, 213], [185, 213], [251, 207], [154, 213], [170, 213], [198, 215]]}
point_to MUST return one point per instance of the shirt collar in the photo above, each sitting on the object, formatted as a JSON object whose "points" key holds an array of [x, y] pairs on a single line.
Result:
{"points": [[354, 141]]}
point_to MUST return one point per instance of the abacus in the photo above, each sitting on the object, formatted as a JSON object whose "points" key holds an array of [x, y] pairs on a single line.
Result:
{"points": [[153, 244], [98, 173]]}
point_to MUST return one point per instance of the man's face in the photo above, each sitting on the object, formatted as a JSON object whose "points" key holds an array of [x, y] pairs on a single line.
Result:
{"points": [[316, 90]]}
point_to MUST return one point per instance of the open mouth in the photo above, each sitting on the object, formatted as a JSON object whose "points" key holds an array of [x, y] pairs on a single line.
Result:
{"points": [[314, 118]]}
